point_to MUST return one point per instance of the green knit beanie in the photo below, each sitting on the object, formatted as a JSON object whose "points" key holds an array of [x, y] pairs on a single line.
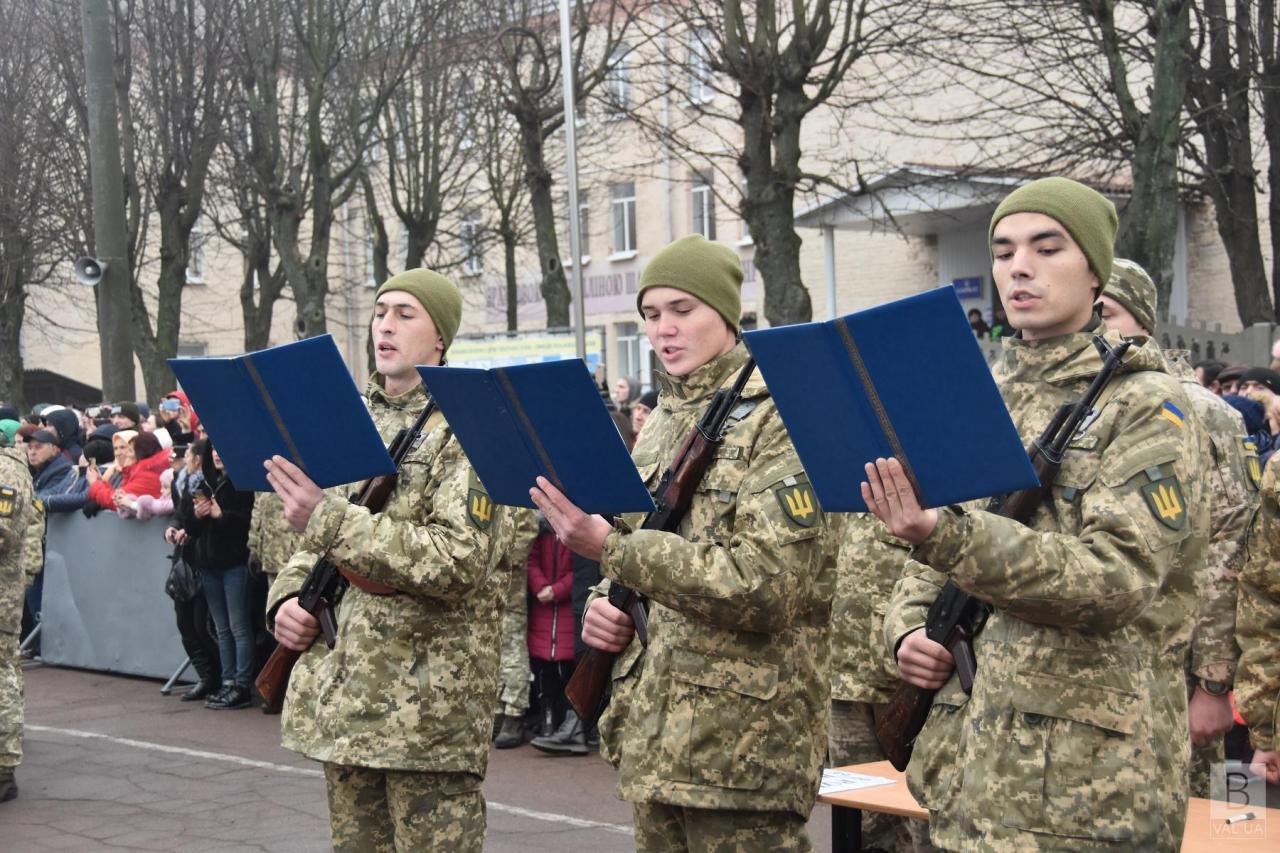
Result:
{"points": [[1087, 215], [1133, 288], [702, 268], [437, 294]]}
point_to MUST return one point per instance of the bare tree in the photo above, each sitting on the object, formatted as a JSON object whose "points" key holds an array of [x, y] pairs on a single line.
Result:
{"points": [[30, 219], [181, 99], [528, 50], [1266, 26], [316, 75], [776, 64]]}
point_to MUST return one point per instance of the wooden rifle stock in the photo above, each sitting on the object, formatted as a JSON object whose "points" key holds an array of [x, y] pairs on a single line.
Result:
{"points": [[273, 680], [585, 689], [956, 617]]}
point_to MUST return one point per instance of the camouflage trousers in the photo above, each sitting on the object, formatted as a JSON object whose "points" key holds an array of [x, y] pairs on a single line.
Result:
{"points": [[1204, 760], [379, 811], [660, 828], [513, 657], [852, 740], [10, 701]]}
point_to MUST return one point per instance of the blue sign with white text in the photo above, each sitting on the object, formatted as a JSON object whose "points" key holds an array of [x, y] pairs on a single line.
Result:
{"points": [[968, 288]]}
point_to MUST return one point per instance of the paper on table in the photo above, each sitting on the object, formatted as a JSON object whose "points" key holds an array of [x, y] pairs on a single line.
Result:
{"points": [[834, 781]]}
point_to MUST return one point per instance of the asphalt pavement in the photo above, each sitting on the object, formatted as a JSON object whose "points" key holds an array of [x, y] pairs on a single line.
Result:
{"points": [[111, 764]]}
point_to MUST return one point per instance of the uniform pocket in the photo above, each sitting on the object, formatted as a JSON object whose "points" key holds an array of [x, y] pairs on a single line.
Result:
{"points": [[935, 769], [1071, 761], [719, 720]]}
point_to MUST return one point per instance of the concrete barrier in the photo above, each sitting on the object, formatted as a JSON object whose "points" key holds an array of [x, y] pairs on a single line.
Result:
{"points": [[104, 605]]}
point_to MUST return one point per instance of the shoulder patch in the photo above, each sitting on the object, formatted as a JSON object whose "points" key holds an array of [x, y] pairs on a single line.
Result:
{"points": [[1172, 414], [8, 500], [1164, 499], [797, 500], [1252, 467], [38, 504], [479, 504]]}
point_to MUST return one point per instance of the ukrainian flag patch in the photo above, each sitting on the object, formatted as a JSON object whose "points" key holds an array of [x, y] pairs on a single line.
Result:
{"points": [[1173, 414]]}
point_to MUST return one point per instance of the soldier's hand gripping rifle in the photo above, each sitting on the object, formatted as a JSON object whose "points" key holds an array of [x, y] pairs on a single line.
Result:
{"points": [[955, 617], [322, 590], [585, 690]]}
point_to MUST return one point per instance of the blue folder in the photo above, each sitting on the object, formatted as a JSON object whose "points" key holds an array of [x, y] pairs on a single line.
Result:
{"points": [[525, 421], [904, 379], [296, 400]]}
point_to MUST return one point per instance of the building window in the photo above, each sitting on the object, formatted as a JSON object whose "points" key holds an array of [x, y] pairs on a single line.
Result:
{"points": [[744, 238], [404, 250], [704, 206], [584, 231], [617, 85], [624, 218], [195, 258], [700, 90], [192, 349], [471, 260], [370, 278]]}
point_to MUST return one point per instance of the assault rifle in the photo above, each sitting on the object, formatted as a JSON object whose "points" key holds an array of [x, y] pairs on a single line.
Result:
{"points": [[585, 690], [325, 584], [956, 617]]}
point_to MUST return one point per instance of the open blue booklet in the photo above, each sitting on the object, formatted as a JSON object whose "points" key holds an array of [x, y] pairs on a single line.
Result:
{"points": [[525, 421], [295, 400], [904, 379]]}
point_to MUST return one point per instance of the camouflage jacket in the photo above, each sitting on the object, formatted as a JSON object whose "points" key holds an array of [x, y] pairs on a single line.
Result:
{"points": [[869, 562], [1232, 478], [727, 707], [411, 683], [19, 518], [1062, 743], [272, 541], [1257, 684]]}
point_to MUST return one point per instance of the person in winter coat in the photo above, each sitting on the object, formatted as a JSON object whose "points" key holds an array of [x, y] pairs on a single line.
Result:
{"points": [[66, 424], [216, 544], [192, 616], [178, 418], [140, 460], [98, 448], [552, 629]]}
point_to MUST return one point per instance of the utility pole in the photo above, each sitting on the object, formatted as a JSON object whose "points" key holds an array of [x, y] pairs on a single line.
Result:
{"points": [[115, 330], [571, 163]]}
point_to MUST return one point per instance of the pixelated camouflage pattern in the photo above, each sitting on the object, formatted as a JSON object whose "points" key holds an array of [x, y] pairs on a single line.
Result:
{"points": [[869, 562], [1231, 499], [512, 539], [272, 540], [411, 682], [727, 707], [661, 828], [1257, 682], [1066, 740], [16, 526], [384, 811]]}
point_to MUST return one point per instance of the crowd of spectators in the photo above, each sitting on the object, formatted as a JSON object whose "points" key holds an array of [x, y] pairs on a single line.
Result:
{"points": [[129, 461], [1252, 391]]}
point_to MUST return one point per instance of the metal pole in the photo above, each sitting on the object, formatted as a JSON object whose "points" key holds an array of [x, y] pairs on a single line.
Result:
{"points": [[829, 256], [115, 330], [571, 158]]}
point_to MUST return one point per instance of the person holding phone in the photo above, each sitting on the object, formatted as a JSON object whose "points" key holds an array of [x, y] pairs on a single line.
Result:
{"points": [[139, 461], [177, 416]]}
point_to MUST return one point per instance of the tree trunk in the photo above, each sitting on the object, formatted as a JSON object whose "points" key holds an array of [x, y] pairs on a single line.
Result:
{"points": [[508, 232], [1269, 88], [554, 286], [1149, 227], [13, 300], [771, 164]]}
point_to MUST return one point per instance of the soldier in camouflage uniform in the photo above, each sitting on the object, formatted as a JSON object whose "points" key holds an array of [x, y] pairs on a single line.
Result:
{"points": [[511, 544], [718, 726], [863, 675], [1257, 684], [272, 540], [400, 710], [21, 529], [1064, 742], [1129, 307]]}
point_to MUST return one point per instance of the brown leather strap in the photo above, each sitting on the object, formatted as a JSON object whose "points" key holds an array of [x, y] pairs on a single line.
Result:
{"points": [[371, 587]]}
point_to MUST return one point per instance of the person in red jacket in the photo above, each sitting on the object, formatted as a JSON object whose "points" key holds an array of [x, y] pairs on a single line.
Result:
{"points": [[140, 460], [552, 630]]}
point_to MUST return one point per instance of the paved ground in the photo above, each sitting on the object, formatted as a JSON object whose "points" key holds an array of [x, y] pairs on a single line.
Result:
{"points": [[113, 765]]}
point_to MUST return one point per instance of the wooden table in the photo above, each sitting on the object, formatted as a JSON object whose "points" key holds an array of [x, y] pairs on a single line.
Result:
{"points": [[1205, 833]]}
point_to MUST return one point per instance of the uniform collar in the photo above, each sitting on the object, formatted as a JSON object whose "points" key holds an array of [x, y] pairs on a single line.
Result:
{"points": [[703, 382], [1070, 358], [415, 397]]}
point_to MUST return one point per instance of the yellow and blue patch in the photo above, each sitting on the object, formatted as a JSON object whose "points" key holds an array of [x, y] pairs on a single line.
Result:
{"points": [[1173, 414]]}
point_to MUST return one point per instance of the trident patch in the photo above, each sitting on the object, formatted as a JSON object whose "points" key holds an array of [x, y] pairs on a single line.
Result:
{"points": [[1252, 467], [479, 504], [1164, 499], [8, 499], [797, 502]]}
